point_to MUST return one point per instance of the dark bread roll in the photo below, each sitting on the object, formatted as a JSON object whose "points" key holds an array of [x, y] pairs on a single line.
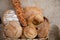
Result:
{"points": [[43, 28]]}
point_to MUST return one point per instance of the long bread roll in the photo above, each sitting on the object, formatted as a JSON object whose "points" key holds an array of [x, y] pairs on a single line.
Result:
{"points": [[19, 12]]}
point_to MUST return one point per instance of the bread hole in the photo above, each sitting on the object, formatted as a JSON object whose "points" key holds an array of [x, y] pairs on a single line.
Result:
{"points": [[35, 22]]}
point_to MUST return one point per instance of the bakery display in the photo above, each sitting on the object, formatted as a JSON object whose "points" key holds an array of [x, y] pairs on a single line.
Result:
{"points": [[19, 12], [25, 23], [43, 28], [12, 27]]}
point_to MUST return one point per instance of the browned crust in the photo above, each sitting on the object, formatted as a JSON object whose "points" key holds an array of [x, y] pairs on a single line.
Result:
{"points": [[19, 12], [43, 28]]}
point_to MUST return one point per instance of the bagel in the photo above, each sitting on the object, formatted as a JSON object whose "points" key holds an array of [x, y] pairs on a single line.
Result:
{"points": [[33, 11], [19, 11], [43, 28], [12, 27], [34, 19]]}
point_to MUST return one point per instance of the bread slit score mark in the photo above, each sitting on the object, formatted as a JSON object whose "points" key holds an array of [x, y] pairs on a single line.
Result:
{"points": [[19, 12]]}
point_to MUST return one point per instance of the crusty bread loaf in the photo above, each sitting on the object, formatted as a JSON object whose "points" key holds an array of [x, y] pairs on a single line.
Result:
{"points": [[12, 27]]}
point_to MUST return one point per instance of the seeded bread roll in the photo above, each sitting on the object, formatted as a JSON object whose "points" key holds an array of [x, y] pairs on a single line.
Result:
{"points": [[12, 27]]}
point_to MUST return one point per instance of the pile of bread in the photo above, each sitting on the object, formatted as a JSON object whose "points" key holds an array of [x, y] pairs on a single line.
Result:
{"points": [[26, 22]]}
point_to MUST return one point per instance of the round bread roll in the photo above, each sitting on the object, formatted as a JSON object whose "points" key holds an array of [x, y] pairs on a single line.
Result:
{"points": [[43, 28], [12, 27], [33, 11], [30, 32]]}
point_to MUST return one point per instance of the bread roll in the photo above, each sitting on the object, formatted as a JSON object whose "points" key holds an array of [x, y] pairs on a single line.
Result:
{"points": [[12, 27], [30, 32], [43, 28], [33, 11]]}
